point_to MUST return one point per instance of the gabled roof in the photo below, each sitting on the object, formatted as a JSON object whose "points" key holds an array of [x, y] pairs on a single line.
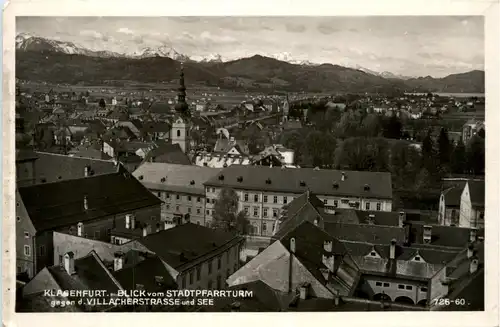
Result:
{"points": [[452, 196], [168, 153], [477, 190], [50, 167], [175, 178], [318, 181], [60, 204], [145, 273], [175, 246], [442, 236], [382, 218], [90, 274], [372, 234]]}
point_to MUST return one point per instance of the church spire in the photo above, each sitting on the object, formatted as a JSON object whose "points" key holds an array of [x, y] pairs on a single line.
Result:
{"points": [[181, 106]]}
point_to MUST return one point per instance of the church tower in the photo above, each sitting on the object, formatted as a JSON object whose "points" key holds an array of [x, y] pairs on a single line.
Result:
{"points": [[180, 131]]}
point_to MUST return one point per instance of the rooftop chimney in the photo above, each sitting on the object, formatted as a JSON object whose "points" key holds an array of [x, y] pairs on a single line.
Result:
{"points": [[337, 301], [328, 246], [303, 290], [85, 203], [118, 260], [87, 171], [402, 218], [474, 265], [69, 263], [292, 245], [343, 176], [392, 250], [80, 229], [427, 235], [145, 231], [472, 235], [329, 261], [127, 221]]}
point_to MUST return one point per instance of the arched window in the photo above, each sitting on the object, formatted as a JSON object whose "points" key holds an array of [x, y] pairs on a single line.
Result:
{"points": [[178, 133]]}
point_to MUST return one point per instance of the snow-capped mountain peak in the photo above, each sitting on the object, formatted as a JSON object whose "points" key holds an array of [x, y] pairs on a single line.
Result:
{"points": [[162, 51], [287, 57]]}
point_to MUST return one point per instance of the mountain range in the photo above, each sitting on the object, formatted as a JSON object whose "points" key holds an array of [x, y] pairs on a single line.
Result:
{"points": [[49, 60]]}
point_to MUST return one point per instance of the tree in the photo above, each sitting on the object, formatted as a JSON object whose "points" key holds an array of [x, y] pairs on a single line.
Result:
{"points": [[371, 125], [392, 127], [476, 155], [226, 216], [294, 140], [320, 148], [428, 152], [404, 164], [348, 125], [458, 162], [102, 103], [445, 149], [358, 153]]}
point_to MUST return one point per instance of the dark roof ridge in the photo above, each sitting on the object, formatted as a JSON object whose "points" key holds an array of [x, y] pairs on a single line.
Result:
{"points": [[72, 180], [72, 157]]}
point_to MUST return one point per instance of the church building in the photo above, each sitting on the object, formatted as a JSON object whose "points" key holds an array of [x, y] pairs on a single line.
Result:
{"points": [[181, 125]]}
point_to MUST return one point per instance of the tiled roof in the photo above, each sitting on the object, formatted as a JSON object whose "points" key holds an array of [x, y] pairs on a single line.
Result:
{"points": [[168, 153], [145, 273], [444, 236], [25, 155], [89, 153], [321, 182], [178, 178], [309, 244], [90, 274], [60, 204], [452, 196], [372, 234], [382, 218], [176, 247], [224, 145], [50, 167], [477, 190]]}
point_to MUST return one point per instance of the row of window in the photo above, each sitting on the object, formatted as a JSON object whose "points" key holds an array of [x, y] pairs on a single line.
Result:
{"points": [[256, 198], [401, 286], [178, 208], [265, 212], [367, 204], [179, 197]]}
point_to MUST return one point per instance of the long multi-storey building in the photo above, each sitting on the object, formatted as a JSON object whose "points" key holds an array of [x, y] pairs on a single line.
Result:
{"points": [[181, 189], [263, 191]]}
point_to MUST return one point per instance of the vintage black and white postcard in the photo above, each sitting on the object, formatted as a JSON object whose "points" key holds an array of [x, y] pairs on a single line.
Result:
{"points": [[332, 159]]}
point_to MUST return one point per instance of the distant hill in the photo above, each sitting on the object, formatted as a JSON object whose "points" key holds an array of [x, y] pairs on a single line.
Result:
{"points": [[257, 72]]}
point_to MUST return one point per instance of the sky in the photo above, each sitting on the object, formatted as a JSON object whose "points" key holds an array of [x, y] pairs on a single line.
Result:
{"points": [[405, 45]]}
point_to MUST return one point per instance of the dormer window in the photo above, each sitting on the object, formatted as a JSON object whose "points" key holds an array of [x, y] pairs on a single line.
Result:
{"points": [[367, 187], [240, 179], [335, 185], [373, 254], [191, 182], [221, 177], [302, 183], [417, 258]]}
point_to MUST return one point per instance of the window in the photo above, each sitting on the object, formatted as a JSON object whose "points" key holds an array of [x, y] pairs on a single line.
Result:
{"points": [[417, 258], [367, 206], [265, 198], [210, 264], [379, 206], [335, 203], [177, 196], [159, 194], [275, 213], [27, 250], [386, 284], [246, 209], [61, 263], [198, 273], [285, 200], [18, 219], [178, 133], [26, 234], [167, 195], [264, 227], [256, 198], [42, 250], [191, 274], [208, 200], [378, 284], [198, 199], [219, 262], [265, 212], [167, 206], [97, 234], [275, 199], [189, 210], [198, 211], [409, 287], [208, 212], [373, 254], [255, 211], [423, 289], [189, 197], [176, 208], [325, 201], [401, 287], [245, 197]]}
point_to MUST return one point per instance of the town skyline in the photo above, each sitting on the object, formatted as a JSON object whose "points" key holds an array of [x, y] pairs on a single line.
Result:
{"points": [[426, 46]]}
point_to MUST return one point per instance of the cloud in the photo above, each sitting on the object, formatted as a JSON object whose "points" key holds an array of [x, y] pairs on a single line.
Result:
{"points": [[186, 19], [125, 30], [295, 28], [220, 39], [92, 34], [325, 28]]}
